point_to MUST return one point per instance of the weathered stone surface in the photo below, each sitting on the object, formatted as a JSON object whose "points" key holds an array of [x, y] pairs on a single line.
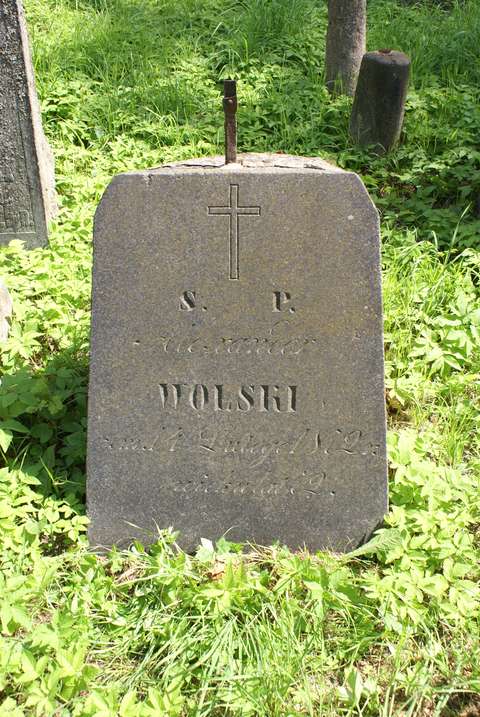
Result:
{"points": [[27, 194], [236, 382]]}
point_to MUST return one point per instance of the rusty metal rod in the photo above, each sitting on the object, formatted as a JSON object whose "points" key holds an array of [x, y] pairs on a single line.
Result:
{"points": [[230, 110]]}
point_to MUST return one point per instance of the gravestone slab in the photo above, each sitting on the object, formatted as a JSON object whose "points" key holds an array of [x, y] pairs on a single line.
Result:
{"points": [[27, 195], [236, 381]]}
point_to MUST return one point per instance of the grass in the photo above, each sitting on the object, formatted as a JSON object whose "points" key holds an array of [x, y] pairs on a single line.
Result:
{"points": [[391, 630]]}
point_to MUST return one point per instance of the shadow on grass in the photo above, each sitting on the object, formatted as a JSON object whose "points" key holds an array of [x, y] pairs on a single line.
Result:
{"points": [[45, 410]]}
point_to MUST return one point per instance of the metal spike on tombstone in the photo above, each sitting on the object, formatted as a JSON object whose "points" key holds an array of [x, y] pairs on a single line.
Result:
{"points": [[230, 110], [236, 376], [27, 183]]}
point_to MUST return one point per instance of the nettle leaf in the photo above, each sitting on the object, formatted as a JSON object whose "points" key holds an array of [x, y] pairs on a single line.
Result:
{"points": [[352, 690], [9, 707], [99, 702], [405, 448], [384, 541], [6, 438], [316, 589], [13, 617], [12, 425], [463, 304], [129, 705], [445, 321], [453, 570], [205, 553], [42, 431], [435, 585], [6, 509], [451, 361], [44, 636], [66, 662], [29, 667]]}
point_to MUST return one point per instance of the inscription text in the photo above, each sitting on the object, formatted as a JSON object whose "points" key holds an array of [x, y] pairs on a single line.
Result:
{"points": [[219, 397]]}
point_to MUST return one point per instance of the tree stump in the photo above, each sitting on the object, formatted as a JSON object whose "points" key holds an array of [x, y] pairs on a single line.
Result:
{"points": [[379, 105]]}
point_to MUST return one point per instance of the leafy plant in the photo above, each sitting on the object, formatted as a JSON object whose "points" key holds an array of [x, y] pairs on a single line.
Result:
{"points": [[390, 629]]}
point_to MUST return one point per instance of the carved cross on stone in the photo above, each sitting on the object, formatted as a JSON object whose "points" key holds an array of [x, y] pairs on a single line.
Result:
{"points": [[234, 210]]}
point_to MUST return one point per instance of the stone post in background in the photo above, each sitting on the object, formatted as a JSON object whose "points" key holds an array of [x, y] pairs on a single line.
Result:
{"points": [[27, 181], [346, 37], [379, 105]]}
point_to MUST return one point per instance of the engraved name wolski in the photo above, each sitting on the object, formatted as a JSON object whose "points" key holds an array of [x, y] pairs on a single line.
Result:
{"points": [[265, 398]]}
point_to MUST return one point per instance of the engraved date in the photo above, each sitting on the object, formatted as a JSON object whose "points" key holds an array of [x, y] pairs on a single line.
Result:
{"points": [[250, 449]]}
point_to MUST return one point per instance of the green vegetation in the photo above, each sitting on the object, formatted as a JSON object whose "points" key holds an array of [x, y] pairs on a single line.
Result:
{"points": [[392, 629]]}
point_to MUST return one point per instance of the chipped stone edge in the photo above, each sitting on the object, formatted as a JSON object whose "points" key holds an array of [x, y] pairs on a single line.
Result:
{"points": [[251, 160]]}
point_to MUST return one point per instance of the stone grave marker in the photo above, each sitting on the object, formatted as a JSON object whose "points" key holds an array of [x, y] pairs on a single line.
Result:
{"points": [[27, 195], [236, 383]]}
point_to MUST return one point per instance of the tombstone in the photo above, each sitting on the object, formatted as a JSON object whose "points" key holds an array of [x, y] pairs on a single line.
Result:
{"points": [[236, 382], [27, 196]]}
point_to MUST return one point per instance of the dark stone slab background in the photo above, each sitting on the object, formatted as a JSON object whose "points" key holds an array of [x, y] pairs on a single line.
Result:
{"points": [[314, 475], [27, 183]]}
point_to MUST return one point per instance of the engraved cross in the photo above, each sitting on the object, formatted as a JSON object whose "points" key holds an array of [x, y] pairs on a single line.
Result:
{"points": [[234, 211]]}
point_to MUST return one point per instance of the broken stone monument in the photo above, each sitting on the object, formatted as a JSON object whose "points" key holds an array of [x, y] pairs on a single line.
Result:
{"points": [[27, 194], [236, 382], [379, 105]]}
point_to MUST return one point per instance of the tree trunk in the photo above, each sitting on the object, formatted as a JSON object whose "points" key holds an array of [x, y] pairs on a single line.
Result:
{"points": [[346, 44]]}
